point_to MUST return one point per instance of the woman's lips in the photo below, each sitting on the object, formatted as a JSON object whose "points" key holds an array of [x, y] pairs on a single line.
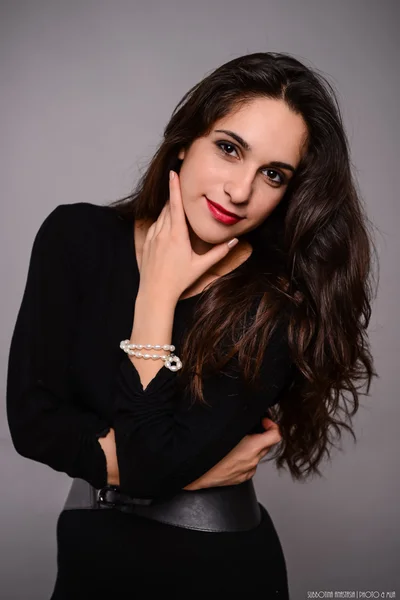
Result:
{"points": [[220, 216]]}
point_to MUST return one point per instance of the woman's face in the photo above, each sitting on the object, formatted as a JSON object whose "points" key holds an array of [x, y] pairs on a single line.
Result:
{"points": [[242, 181]]}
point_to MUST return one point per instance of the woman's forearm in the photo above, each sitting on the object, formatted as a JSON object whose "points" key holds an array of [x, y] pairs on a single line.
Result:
{"points": [[152, 324], [110, 450]]}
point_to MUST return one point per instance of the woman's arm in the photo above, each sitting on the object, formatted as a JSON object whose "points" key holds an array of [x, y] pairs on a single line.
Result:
{"points": [[163, 441], [47, 424], [154, 321], [237, 466]]}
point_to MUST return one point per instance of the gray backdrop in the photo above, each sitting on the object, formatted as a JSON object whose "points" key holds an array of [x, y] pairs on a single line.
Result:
{"points": [[87, 89]]}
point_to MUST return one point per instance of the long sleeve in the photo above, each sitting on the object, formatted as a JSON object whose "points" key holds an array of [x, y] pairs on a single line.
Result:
{"points": [[164, 442], [46, 422]]}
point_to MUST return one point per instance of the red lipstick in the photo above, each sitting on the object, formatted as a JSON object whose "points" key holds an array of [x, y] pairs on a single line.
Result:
{"points": [[222, 215]]}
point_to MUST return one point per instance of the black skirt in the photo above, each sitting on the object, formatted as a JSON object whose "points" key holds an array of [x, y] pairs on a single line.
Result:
{"points": [[108, 551]]}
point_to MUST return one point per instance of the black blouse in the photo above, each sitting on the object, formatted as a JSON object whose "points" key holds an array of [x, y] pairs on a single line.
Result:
{"points": [[68, 380]]}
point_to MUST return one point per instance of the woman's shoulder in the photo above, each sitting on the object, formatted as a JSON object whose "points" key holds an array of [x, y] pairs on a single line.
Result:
{"points": [[83, 215], [82, 231], [82, 223]]}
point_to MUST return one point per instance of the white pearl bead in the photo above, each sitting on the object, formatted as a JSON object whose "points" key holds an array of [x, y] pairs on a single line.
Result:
{"points": [[171, 361]]}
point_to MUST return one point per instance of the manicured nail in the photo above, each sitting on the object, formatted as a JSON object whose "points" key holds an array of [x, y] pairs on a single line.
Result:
{"points": [[171, 175], [233, 242]]}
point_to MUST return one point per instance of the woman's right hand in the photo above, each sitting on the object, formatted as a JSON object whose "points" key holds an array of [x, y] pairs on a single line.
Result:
{"points": [[110, 450], [241, 462]]}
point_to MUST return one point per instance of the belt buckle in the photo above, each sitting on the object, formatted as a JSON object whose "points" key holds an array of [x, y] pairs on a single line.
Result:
{"points": [[101, 495]]}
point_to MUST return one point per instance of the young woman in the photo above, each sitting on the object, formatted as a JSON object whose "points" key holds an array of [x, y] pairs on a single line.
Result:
{"points": [[247, 275]]}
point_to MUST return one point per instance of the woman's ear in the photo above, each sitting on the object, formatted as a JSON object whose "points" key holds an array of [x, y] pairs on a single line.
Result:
{"points": [[181, 154]]}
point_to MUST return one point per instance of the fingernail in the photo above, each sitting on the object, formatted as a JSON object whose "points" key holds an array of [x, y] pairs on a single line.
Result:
{"points": [[171, 175], [233, 242]]}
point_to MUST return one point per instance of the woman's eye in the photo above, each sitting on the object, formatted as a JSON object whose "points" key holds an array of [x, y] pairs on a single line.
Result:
{"points": [[281, 180], [224, 145]]}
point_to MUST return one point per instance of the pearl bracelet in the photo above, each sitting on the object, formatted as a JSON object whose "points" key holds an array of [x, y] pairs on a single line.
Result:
{"points": [[168, 359]]}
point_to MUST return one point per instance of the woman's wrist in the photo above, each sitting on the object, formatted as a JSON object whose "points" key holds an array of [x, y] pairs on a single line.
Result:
{"points": [[155, 297], [152, 324]]}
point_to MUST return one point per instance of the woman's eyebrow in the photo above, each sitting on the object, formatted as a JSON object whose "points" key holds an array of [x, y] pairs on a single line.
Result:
{"points": [[246, 146]]}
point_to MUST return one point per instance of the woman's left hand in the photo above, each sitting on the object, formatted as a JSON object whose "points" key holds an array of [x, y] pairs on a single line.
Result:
{"points": [[240, 464], [168, 261]]}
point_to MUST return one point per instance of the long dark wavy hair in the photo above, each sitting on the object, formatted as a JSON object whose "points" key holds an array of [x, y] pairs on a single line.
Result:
{"points": [[310, 265]]}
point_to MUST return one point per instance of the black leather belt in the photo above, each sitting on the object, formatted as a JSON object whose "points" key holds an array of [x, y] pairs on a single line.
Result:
{"points": [[226, 508]]}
